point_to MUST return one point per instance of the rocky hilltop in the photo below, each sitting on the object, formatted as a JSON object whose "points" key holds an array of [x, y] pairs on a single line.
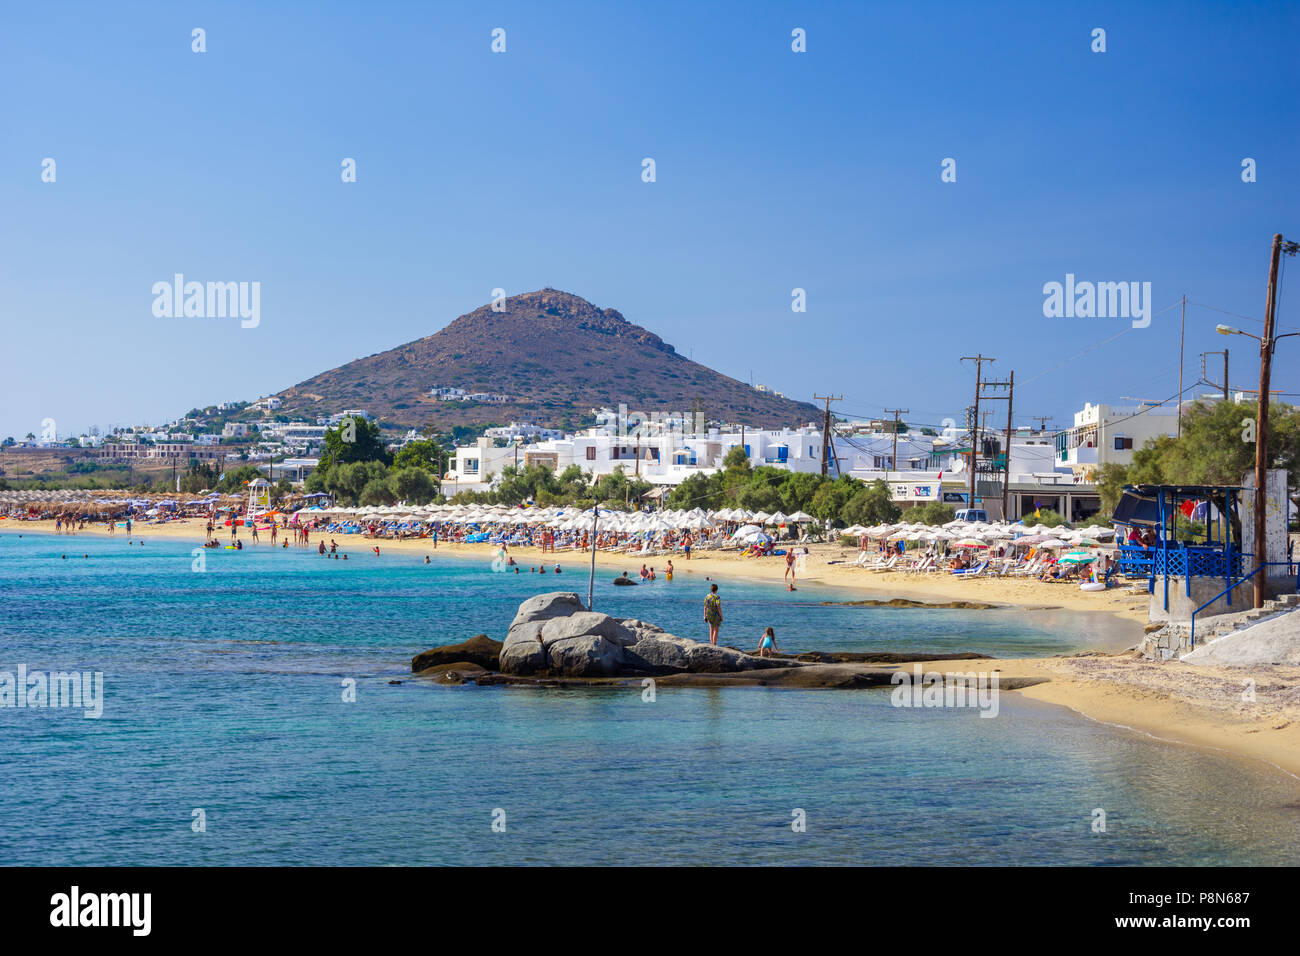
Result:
{"points": [[554, 354]]}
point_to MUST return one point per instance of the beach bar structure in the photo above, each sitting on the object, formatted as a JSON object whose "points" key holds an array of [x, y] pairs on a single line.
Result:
{"points": [[1201, 560], [1197, 551]]}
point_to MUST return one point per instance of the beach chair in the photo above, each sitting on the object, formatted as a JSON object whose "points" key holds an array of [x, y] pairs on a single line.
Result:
{"points": [[971, 572], [999, 570], [920, 567], [887, 566]]}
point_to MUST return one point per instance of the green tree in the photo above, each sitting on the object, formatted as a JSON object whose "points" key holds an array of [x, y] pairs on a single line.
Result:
{"points": [[414, 485], [376, 492], [355, 439], [422, 453], [870, 505], [829, 501]]}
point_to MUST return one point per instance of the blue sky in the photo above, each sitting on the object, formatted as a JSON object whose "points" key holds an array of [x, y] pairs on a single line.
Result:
{"points": [[775, 170]]}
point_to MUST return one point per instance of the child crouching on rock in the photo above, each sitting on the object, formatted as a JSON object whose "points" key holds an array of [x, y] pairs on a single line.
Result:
{"points": [[768, 644]]}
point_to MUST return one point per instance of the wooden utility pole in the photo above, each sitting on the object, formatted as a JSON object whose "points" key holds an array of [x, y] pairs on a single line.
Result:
{"points": [[1261, 429], [826, 427], [1006, 476], [1182, 334], [893, 456], [1042, 421], [979, 359]]}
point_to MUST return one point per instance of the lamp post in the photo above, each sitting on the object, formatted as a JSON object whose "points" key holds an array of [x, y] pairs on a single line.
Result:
{"points": [[1267, 342]]}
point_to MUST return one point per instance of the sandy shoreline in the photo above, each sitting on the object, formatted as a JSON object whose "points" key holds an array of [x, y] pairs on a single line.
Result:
{"points": [[1171, 701]]}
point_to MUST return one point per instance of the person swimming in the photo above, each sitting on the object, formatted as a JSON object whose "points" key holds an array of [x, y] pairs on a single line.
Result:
{"points": [[557, 569]]}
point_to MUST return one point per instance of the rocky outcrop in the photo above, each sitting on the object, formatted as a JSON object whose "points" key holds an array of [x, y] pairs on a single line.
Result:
{"points": [[554, 635], [480, 650]]}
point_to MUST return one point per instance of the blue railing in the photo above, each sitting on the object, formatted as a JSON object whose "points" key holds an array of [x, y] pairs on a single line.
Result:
{"points": [[1185, 561], [1289, 565]]}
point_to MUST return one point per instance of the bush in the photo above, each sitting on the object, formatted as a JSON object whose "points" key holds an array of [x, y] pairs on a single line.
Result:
{"points": [[1048, 518]]}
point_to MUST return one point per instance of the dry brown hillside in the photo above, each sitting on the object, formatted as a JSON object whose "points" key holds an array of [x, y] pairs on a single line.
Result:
{"points": [[556, 354]]}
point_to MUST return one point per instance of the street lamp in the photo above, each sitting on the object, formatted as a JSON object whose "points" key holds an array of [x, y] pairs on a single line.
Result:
{"points": [[1267, 343]]}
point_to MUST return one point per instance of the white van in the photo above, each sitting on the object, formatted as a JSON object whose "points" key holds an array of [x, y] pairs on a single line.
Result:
{"points": [[972, 514]]}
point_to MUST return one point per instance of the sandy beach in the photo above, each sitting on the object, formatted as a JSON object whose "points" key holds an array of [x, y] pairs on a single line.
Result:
{"points": [[1170, 701]]}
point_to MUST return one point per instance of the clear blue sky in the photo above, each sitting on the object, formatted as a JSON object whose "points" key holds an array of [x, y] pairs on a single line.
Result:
{"points": [[775, 170]]}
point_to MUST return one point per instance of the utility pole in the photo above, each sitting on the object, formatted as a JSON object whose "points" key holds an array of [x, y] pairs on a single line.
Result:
{"points": [[1006, 477], [1042, 421], [1206, 381], [1261, 429], [826, 427], [591, 581], [1182, 334], [893, 457], [979, 359]]}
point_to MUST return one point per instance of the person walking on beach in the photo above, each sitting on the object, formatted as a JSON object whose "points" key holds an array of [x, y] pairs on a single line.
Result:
{"points": [[713, 613], [767, 645], [789, 568]]}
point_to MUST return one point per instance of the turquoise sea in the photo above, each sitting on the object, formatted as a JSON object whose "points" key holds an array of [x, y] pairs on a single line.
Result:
{"points": [[223, 692]]}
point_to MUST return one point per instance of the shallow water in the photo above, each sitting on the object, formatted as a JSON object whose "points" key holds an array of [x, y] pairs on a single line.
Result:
{"points": [[223, 692]]}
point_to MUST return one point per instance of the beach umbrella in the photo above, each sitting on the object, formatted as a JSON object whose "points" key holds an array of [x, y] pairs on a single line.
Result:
{"points": [[1052, 543], [1078, 557], [969, 543], [761, 517], [746, 529], [799, 517]]}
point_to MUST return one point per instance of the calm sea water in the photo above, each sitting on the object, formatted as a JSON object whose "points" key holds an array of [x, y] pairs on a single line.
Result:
{"points": [[223, 692]]}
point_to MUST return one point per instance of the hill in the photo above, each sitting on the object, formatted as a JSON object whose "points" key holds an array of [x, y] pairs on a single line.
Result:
{"points": [[554, 355]]}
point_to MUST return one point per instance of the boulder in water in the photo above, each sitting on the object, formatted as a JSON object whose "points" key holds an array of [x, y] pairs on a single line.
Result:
{"points": [[480, 650]]}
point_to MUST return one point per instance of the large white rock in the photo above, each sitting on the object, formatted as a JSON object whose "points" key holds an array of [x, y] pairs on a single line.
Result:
{"points": [[654, 654], [588, 655], [585, 622], [708, 659], [543, 607], [523, 657], [529, 631]]}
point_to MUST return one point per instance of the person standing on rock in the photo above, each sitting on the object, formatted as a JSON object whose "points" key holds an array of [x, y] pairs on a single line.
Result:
{"points": [[713, 613]]}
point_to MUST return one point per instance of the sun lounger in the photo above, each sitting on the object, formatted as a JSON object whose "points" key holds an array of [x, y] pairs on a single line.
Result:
{"points": [[971, 572]]}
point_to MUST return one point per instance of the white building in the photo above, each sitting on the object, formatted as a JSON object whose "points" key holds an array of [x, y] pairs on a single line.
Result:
{"points": [[1104, 433], [665, 458], [524, 431]]}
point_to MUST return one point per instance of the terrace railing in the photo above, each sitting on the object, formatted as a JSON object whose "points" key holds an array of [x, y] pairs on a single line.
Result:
{"points": [[1292, 567]]}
